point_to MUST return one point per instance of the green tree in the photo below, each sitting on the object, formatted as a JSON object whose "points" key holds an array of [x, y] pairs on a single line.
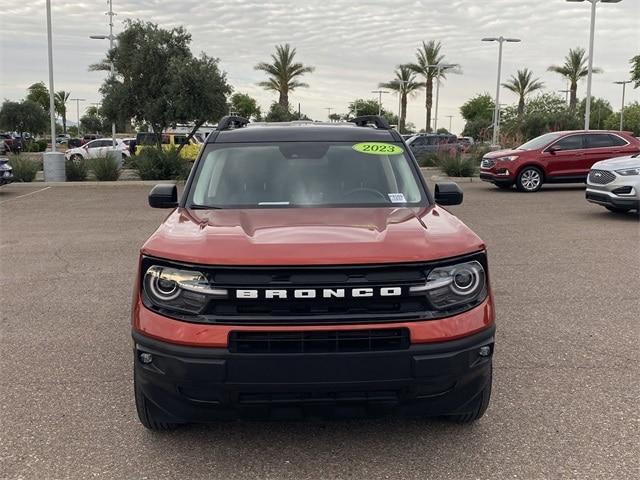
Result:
{"points": [[522, 84], [635, 71], [60, 99], [39, 93], [25, 116], [278, 113], [360, 107], [631, 119], [145, 60], [426, 57], [92, 120], [283, 73], [246, 106], [601, 110], [405, 85], [574, 69], [478, 113], [335, 117]]}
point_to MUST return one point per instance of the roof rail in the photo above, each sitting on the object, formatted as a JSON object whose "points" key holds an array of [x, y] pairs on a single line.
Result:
{"points": [[366, 120], [231, 121]]}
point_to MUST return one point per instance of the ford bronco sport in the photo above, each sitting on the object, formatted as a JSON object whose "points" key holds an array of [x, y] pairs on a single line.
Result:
{"points": [[308, 269]]}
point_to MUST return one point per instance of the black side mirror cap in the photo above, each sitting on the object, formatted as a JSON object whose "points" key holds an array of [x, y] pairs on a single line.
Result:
{"points": [[448, 193], [164, 195], [553, 149]]}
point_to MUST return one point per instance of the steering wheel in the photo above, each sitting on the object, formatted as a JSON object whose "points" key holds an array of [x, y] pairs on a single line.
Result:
{"points": [[371, 191]]}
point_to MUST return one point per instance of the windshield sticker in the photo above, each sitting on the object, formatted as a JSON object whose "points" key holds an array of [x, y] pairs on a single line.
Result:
{"points": [[377, 148], [397, 198]]}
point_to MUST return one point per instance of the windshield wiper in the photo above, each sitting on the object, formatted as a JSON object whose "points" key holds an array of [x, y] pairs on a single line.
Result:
{"points": [[204, 207]]}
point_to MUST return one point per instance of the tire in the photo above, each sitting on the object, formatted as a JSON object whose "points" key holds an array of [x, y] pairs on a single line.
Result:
{"points": [[147, 412], [529, 180], [481, 405], [617, 209], [76, 158]]}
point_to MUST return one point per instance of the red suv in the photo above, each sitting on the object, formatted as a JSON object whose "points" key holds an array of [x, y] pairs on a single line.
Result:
{"points": [[309, 268], [557, 157]]}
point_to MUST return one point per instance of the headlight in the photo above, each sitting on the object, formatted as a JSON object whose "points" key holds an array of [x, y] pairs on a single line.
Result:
{"points": [[508, 158], [454, 285], [628, 171], [181, 290]]}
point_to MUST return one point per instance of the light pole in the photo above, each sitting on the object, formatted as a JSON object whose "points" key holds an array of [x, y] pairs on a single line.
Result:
{"points": [[496, 112], [52, 111], [379, 92], [566, 95], [328, 109], [78, 100], [449, 117], [111, 38], [624, 86], [587, 110]]}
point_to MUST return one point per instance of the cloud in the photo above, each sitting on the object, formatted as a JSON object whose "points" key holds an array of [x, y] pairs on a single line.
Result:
{"points": [[353, 45]]}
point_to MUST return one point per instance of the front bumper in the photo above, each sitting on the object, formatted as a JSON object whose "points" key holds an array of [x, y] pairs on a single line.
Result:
{"points": [[195, 384], [503, 178], [6, 176], [606, 194]]}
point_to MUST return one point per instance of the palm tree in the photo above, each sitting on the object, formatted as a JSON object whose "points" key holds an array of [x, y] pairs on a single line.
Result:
{"points": [[283, 73], [406, 85], [428, 56], [60, 100], [574, 69], [522, 84]]}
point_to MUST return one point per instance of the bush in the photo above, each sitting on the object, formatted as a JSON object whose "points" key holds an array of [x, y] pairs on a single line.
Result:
{"points": [[458, 166], [24, 170], [105, 169], [153, 163], [76, 170], [35, 146], [428, 160]]}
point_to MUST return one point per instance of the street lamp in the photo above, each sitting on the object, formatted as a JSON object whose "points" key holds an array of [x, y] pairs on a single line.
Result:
{"points": [[496, 112], [587, 110], [624, 86], [111, 38], [78, 100], [379, 92], [328, 109], [449, 117]]}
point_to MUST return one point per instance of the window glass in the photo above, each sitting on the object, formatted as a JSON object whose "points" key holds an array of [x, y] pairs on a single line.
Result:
{"points": [[539, 142], [572, 142], [291, 174]]}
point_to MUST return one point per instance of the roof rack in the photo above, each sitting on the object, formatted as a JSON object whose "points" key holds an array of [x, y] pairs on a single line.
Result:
{"points": [[231, 121], [367, 120]]}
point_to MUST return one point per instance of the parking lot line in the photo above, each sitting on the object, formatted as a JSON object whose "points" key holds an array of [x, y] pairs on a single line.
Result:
{"points": [[25, 195]]}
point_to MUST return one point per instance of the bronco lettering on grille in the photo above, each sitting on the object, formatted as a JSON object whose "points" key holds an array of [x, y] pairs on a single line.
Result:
{"points": [[302, 293]]}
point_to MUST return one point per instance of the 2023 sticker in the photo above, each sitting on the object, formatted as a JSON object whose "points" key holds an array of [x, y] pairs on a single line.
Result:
{"points": [[378, 148]]}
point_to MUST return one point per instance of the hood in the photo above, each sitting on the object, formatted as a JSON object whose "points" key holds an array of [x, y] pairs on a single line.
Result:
{"points": [[503, 153], [618, 163], [311, 236]]}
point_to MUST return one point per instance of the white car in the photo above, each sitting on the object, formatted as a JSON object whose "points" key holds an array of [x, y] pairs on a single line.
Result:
{"points": [[97, 148], [615, 184]]}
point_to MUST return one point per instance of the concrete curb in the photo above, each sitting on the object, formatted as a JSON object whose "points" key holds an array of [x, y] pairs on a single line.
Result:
{"points": [[117, 183]]}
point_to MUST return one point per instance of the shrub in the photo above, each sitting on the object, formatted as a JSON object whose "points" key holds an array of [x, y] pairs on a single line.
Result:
{"points": [[76, 170], [428, 160], [35, 146], [105, 169], [458, 166], [156, 164], [24, 170]]}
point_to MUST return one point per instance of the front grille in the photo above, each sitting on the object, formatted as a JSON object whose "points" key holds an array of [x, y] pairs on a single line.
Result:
{"points": [[333, 341], [487, 163], [601, 177]]}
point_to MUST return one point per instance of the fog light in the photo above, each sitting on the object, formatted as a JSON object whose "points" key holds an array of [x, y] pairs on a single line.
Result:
{"points": [[146, 358], [484, 351], [502, 171]]}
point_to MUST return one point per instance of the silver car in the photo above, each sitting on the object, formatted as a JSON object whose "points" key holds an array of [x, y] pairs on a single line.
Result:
{"points": [[615, 184]]}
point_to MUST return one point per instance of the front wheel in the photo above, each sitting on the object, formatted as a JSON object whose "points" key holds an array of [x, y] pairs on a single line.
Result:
{"points": [[617, 209], [529, 180], [147, 412], [480, 406]]}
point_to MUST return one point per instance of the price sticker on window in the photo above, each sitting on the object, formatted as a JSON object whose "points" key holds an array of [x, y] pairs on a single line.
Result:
{"points": [[378, 148]]}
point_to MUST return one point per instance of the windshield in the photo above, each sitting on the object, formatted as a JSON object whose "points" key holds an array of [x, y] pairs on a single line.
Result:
{"points": [[289, 174], [540, 141]]}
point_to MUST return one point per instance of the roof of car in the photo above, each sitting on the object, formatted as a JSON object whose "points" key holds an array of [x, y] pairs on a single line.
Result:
{"points": [[303, 132]]}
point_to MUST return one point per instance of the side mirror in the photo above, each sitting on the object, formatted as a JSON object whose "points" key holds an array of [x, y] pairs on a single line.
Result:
{"points": [[553, 149], [163, 196], [448, 193]]}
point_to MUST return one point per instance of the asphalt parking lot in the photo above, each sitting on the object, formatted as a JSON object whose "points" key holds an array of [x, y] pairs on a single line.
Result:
{"points": [[566, 278]]}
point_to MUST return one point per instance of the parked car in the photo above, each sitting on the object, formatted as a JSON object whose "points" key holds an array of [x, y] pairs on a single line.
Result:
{"points": [[131, 144], [557, 157], [170, 140], [62, 138], [310, 267], [90, 136], [12, 143], [97, 148], [422, 144], [6, 172], [465, 143], [615, 184]]}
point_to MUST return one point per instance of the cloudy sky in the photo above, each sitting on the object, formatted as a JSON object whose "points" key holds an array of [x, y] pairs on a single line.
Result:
{"points": [[353, 44]]}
